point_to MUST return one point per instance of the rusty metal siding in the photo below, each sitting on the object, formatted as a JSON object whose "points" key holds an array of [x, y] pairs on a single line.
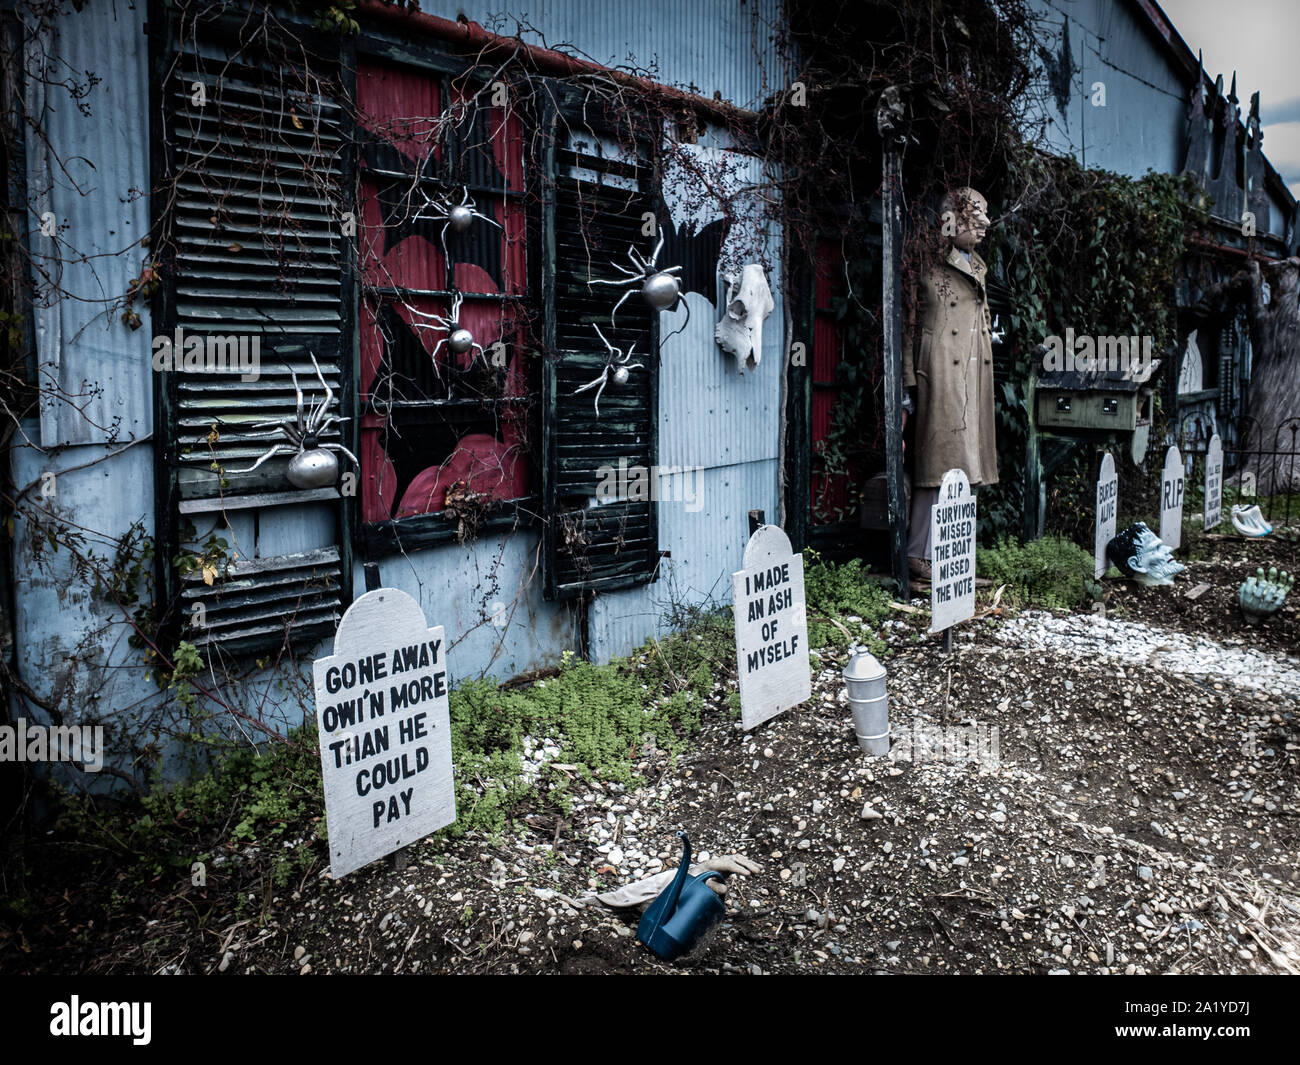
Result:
{"points": [[93, 177], [724, 46]]}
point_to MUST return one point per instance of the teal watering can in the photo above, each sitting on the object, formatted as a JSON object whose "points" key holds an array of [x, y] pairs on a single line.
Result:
{"points": [[683, 913]]}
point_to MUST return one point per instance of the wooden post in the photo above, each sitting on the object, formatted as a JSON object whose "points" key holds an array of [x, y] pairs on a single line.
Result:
{"points": [[892, 313]]}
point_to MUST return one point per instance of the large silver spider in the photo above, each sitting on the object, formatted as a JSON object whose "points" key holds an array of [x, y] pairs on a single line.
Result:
{"points": [[615, 369], [458, 339], [659, 288], [312, 465], [457, 217]]}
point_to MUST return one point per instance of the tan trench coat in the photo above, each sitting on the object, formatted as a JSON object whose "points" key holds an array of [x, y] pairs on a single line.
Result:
{"points": [[950, 364]]}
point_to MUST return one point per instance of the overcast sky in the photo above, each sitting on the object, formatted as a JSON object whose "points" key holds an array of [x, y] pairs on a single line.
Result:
{"points": [[1260, 40]]}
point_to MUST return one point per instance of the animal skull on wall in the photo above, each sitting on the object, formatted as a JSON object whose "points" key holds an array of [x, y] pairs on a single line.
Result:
{"points": [[749, 302]]}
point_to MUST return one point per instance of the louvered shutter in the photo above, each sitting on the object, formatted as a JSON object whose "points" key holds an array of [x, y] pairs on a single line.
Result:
{"points": [[258, 182], [599, 188]]}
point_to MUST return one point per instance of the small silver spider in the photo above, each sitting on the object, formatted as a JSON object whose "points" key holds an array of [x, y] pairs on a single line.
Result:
{"points": [[312, 465], [659, 288], [615, 369], [457, 217], [458, 339]]}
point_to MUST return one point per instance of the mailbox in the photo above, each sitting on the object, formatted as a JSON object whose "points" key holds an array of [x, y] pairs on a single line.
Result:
{"points": [[1094, 400]]}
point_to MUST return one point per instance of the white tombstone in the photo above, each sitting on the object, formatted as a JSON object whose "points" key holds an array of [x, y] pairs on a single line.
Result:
{"points": [[952, 545], [1213, 483], [1171, 499], [1107, 503], [385, 730], [771, 628]]}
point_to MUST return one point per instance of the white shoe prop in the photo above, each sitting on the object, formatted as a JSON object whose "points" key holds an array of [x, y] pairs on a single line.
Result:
{"points": [[1249, 521]]}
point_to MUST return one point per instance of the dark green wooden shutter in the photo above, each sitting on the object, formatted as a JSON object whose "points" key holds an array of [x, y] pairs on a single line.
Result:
{"points": [[254, 248], [594, 201]]}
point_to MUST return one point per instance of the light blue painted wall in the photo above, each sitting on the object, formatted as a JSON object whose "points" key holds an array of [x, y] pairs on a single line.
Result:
{"points": [[711, 416], [1143, 121]]}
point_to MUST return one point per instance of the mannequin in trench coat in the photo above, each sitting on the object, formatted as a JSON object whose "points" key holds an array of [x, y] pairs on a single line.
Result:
{"points": [[948, 373]]}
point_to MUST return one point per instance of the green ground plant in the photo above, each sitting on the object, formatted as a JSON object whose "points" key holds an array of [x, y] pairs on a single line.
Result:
{"points": [[1052, 572], [836, 591]]}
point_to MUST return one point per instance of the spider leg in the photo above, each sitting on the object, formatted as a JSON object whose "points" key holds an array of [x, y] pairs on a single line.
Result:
{"points": [[472, 356], [601, 389], [434, 356], [340, 447], [604, 373], [329, 392], [654, 258], [628, 275], [490, 221], [607, 344], [270, 454], [617, 306], [298, 421]]}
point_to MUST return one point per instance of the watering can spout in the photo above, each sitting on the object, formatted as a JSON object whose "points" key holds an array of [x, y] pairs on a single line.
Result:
{"points": [[683, 913]]}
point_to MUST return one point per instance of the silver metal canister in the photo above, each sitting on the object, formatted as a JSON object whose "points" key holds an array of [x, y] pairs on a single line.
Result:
{"points": [[864, 679]]}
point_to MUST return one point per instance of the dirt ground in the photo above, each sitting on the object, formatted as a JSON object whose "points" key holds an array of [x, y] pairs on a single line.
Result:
{"points": [[1128, 820]]}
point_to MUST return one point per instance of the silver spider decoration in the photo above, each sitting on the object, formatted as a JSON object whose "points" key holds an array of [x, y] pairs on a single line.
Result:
{"points": [[457, 217], [616, 368], [458, 339], [659, 288], [313, 465]]}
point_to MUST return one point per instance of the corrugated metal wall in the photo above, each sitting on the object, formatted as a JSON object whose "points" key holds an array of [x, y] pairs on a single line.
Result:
{"points": [[705, 46], [1143, 121], [489, 594], [94, 177]]}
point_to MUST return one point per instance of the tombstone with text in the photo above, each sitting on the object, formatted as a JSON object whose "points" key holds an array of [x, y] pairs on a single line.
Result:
{"points": [[1171, 499], [385, 730], [1213, 483], [1107, 498], [771, 628], [952, 563]]}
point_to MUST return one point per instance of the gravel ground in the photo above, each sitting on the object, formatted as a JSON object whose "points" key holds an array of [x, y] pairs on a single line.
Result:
{"points": [[1134, 812]]}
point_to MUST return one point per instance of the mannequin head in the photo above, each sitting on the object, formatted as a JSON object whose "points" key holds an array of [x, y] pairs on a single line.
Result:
{"points": [[970, 215]]}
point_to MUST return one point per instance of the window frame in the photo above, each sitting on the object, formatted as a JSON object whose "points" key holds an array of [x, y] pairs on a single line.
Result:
{"points": [[378, 540]]}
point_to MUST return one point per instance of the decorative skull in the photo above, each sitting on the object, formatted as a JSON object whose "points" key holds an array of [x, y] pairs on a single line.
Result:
{"points": [[1140, 554], [749, 302]]}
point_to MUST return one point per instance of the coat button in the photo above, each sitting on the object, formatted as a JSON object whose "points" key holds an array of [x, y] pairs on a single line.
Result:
{"points": [[956, 361], [954, 332]]}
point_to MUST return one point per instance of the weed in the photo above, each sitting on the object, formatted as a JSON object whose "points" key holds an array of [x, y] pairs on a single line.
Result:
{"points": [[1050, 572]]}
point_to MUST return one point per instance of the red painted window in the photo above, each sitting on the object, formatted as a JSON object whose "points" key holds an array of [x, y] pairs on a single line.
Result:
{"points": [[439, 431]]}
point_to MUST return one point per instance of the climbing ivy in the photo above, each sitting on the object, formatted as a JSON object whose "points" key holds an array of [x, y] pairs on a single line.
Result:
{"points": [[1089, 250]]}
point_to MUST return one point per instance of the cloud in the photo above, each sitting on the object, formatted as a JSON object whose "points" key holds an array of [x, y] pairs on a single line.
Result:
{"points": [[1276, 114], [1282, 147]]}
